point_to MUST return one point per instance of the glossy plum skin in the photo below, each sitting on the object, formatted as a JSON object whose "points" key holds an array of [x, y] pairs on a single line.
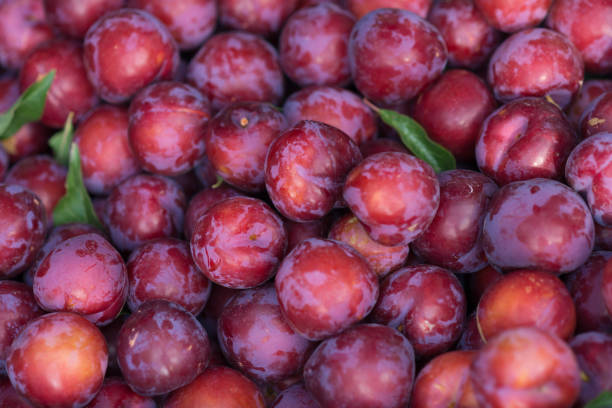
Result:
{"points": [[17, 307], [411, 196], [74, 17], [295, 396], [527, 298], [539, 224], [479, 282], [239, 242], [238, 391], [452, 240], [106, 156], [470, 337], [360, 8], [323, 287], [512, 16], [111, 335], [368, 365], [189, 21], [585, 285], [306, 167], [262, 17], [588, 171], [163, 269], [587, 24], [202, 202], [597, 117], [110, 46], [237, 140], [161, 347], [70, 91], [9, 397], [444, 382], [525, 367], [236, 66], [452, 110], [334, 106], [426, 303], [144, 207], [301, 231], [414, 49], [116, 393], [536, 62], [167, 123], [255, 337], [313, 45], [23, 225], [591, 89], [23, 27], [593, 351], [43, 176], [59, 359], [468, 35], [524, 139], [382, 259], [83, 274]]}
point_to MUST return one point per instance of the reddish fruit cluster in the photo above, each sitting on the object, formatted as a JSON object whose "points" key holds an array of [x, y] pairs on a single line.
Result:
{"points": [[268, 241]]}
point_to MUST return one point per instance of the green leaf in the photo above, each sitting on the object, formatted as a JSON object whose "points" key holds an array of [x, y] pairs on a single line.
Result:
{"points": [[603, 400], [75, 205], [416, 140], [28, 107], [61, 141]]}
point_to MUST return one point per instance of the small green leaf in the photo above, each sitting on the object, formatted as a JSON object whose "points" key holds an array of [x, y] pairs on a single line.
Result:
{"points": [[603, 400], [75, 205], [61, 141], [416, 140], [28, 107]]}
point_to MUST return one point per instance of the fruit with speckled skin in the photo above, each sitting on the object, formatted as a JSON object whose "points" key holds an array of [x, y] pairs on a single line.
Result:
{"points": [[536, 62], [161, 347], [110, 46], [189, 21], [238, 391], [43, 176], [591, 89], [255, 337], [360, 8], [23, 224], [366, 366], [263, 17], [236, 66], [106, 156], [23, 27], [74, 17], [597, 117], [589, 172], [323, 287], [163, 269], [167, 125], [526, 298], [525, 367], [445, 382], [202, 202], [587, 23], [59, 359], [142, 208], [426, 303], [239, 242], [313, 45], [540, 224], [306, 167], [453, 239], [585, 285], [394, 195], [381, 258], [511, 16], [524, 139], [468, 35], [237, 141], [83, 274], [414, 50], [453, 109]]}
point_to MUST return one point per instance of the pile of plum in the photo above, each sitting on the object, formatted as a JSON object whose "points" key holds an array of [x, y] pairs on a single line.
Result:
{"points": [[269, 240]]}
